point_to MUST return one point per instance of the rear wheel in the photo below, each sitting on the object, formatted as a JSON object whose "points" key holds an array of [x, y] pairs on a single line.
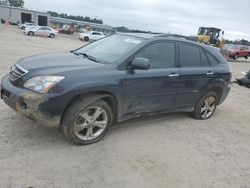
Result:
{"points": [[31, 33], [86, 124], [236, 56], [246, 57], [206, 106], [23, 27], [52, 35], [86, 39]]}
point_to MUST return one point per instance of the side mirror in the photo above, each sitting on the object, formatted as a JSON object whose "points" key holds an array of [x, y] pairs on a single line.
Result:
{"points": [[140, 64], [223, 32]]}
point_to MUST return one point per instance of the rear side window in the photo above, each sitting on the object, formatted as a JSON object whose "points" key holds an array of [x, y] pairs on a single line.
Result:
{"points": [[161, 55], [204, 60], [189, 55], [212, 60]]}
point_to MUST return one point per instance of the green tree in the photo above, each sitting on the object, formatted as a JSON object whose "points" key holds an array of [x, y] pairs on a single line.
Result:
{"points": [[16, 3]]}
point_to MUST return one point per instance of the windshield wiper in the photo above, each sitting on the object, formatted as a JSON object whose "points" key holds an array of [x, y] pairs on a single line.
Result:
{"points": [[87, 56]]}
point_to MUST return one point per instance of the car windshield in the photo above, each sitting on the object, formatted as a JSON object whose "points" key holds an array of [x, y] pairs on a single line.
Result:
{"points": [[110, 49]]}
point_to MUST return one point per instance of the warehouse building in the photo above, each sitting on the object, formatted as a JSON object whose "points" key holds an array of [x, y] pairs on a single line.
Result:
{"points": [[57, 22], [21, 15]]}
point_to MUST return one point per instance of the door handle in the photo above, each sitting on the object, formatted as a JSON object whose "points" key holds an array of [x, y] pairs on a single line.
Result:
{"points": [[173, 75], [210, 73]]}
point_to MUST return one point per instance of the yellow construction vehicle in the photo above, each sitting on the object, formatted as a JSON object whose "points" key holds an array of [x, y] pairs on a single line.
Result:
{"points": [[212, 36]]}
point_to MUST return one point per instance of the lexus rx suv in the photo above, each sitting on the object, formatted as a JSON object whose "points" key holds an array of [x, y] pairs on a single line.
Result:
{"points": [[114, 79]]}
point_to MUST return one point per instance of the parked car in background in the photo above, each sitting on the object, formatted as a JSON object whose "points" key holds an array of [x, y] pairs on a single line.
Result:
{"points": [[237, 51], [91, 35], [26, 25], [41, 31], [115, 79], [68, 31]]}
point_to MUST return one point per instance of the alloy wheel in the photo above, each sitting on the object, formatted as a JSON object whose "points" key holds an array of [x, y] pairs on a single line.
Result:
{"points": [[208, 107], [90, 123]]}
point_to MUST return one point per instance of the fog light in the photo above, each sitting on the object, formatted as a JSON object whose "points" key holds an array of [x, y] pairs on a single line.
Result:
{"points": [[23, 106]]}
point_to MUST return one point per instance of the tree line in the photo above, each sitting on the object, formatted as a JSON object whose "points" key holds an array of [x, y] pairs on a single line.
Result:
{"points": [[14, 3], [78, 18], [238, 42]]}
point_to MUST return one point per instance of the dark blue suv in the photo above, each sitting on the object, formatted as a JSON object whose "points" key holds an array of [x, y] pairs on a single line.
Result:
{"points": [[114, 79]]}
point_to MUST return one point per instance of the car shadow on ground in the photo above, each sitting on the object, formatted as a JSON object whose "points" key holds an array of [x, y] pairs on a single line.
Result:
{"points": [[151, 120], [36, 134]]}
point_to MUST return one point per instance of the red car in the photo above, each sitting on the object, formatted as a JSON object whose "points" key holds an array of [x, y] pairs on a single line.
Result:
{"points": [[237, 51]]}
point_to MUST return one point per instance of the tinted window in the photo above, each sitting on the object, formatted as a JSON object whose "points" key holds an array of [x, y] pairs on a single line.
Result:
{"points": [[160, 55], [204, 61], [212, 60], [189, 56]]}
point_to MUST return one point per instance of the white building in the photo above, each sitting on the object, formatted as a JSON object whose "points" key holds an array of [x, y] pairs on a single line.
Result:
{"points": [[21, 15]]}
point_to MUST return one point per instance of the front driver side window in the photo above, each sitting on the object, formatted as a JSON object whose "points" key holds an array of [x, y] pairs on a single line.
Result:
{"points": [[161, 55]]}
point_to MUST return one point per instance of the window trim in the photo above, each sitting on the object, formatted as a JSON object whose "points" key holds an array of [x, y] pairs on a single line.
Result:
{"points": [[206, 53]]}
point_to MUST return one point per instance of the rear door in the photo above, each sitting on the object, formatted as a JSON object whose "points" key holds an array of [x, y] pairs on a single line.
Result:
{"points": [[195, 74], [154, 89]]}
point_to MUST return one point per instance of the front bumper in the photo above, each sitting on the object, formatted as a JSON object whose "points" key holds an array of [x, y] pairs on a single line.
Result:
{"points": [[31, 104]]}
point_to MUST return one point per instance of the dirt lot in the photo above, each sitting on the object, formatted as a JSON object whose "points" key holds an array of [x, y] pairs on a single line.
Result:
{"points": [[166, 151]]}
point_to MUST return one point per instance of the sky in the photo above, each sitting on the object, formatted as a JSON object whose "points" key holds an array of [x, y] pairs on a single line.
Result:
{"points": [[166, 16]]}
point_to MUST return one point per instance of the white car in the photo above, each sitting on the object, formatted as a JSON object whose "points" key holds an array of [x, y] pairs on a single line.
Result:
{"points": [[26, 25], [91, 35], [41, 31]]}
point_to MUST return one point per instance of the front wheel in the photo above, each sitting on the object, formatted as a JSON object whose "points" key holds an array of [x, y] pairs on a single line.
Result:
{"points": [[52, 35], [206, 106], [236, 57], [86, 124]]}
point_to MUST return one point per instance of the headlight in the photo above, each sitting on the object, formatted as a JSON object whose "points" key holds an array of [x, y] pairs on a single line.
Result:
{"points": [[42, 84]]}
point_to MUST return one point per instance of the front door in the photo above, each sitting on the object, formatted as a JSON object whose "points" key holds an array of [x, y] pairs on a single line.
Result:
{"points": [[154, 89]]}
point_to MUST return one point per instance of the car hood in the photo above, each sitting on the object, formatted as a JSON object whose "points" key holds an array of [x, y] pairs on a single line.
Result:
{"points": [[57, 62]]}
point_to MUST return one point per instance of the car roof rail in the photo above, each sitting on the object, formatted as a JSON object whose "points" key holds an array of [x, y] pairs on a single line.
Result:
{"points": [[190, 38]]}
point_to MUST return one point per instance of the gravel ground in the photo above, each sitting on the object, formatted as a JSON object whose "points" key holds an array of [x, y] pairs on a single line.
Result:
{"points": [[171, 150]]}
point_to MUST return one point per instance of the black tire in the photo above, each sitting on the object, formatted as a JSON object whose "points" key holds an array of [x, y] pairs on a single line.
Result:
{"points": [[72, 114], [246, 57], [197, 113], [31, 33], [22, 27], [236, 57], [51, 35], [86, 39]]}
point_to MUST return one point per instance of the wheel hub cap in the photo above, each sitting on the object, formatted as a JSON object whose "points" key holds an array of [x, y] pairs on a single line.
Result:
{"points": [[90, 123], [208, 107]]}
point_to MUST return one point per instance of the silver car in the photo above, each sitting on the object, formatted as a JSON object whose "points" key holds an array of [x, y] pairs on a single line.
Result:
{"points": [[41, 31]]}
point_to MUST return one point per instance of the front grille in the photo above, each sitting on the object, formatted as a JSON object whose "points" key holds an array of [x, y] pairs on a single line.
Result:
{"points": [[16, 72]]}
